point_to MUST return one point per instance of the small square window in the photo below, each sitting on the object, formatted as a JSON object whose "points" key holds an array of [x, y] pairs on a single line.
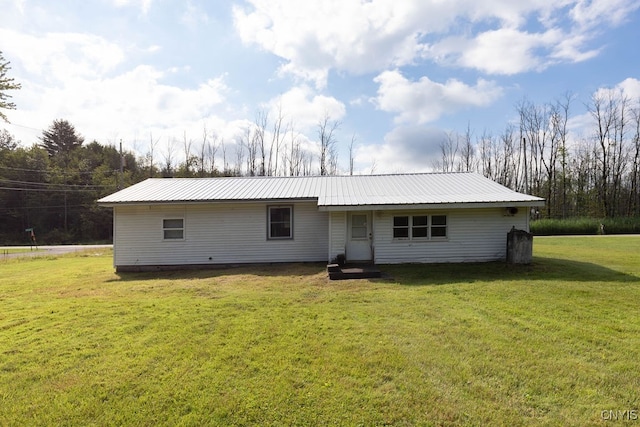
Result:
{"points": [[173, 229]]}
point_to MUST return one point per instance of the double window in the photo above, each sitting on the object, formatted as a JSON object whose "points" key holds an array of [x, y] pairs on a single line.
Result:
{"points": [[173, 229], [419, 227], [279, 222]]}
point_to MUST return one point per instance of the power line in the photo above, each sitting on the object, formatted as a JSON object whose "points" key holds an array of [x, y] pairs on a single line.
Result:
{"points": [[23, 126], [47, 184], [51, 171], [31, 208], [47, 190]]}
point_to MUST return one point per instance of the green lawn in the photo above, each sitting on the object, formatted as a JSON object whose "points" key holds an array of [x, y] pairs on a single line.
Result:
{"points": [[553, 343]]}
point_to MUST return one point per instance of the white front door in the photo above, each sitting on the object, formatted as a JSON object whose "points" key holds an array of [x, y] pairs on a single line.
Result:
{"points": [[359, 237]]}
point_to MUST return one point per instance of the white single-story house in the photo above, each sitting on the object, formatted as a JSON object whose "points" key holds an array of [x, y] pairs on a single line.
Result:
{"points": [[382, 219]]}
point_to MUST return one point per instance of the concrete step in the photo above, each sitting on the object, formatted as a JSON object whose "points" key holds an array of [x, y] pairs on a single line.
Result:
{"points": [[352, 272]]}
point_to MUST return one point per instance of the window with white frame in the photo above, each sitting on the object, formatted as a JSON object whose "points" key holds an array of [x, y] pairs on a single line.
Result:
{"points": [[173, 229], [419, 227], [401, 227], [438, 226], [279, 222]]}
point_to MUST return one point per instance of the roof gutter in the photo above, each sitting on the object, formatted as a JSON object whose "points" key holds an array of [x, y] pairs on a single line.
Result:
{"points": [[429, 206], [203, 202]]}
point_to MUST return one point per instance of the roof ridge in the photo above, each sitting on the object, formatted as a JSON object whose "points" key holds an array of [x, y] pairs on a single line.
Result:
{"points": [[249, 177]]}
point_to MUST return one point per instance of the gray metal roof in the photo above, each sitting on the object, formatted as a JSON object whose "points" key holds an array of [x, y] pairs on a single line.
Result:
{"points": [[330, 191]]}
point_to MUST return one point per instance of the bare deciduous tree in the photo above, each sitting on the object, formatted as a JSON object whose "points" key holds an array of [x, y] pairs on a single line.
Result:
{"points": [[327, 141], [351, 148], [169, 157]]}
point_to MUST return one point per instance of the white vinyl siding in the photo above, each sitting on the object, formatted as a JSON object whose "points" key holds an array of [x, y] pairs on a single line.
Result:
{"points": [[471, 235], [338, 234], [223, 233]]}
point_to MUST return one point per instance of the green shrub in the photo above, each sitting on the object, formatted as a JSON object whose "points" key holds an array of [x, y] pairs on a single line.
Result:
{"points": [[585, 226]]}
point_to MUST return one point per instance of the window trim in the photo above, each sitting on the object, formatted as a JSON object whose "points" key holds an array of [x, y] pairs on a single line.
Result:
{"points": [[290, 236], [165, 229], [411, 227]]}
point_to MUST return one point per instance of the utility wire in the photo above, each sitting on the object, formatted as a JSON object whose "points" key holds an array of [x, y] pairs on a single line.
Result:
{"points": [[48, 190], [31, 208], [53, 171], [48, 184]]}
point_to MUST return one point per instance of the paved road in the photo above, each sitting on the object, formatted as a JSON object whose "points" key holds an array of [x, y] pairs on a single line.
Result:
{"points": [[47, 250]]}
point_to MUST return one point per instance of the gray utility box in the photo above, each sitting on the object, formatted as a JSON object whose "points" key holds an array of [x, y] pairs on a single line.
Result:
{"points": [[519, 247]]}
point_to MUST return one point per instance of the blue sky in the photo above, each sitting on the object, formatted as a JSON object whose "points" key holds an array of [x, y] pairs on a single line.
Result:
{"points": [[396, 74]]}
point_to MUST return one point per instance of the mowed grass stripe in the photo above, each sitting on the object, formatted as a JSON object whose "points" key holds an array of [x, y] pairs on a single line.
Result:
{"points": [[553, 343]]}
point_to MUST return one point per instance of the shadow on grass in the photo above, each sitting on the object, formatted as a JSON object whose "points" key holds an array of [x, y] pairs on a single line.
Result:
{"points": [[415, 274], [267, 270], [540, 270]]}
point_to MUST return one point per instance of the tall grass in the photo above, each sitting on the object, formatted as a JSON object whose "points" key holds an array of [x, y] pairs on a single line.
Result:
{"points": [[585, 226]]}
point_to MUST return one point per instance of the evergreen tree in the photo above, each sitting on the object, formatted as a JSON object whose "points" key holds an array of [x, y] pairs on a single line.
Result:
{"points": [[60, 138], [6, 83], [7, 141]]}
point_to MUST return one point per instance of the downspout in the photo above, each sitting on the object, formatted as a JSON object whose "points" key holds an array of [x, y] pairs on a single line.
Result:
{"points": [[330, 241], [372, 245], [113, 239]]}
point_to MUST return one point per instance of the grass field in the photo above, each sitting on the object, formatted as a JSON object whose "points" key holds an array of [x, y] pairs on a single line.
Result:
{"points": [[553, 343]]}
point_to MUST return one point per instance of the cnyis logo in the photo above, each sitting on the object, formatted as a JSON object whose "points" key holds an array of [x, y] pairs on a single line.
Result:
{"points": [[618, 415]]}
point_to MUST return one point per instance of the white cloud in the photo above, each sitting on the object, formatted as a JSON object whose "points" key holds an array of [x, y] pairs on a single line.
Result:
{"points": [[591, 13], [194, 15], [628, 89], [315, 37], [631, 88], [426, 101], [144, 5], [511, 51], [122, 105], [77, 77], [506, 51], [405, 149], [305, 108], [493, 36], [569, 48], [58, 57]]}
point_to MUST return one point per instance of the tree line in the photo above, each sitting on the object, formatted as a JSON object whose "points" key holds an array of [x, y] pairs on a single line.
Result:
{"points": [[595, 174]]}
